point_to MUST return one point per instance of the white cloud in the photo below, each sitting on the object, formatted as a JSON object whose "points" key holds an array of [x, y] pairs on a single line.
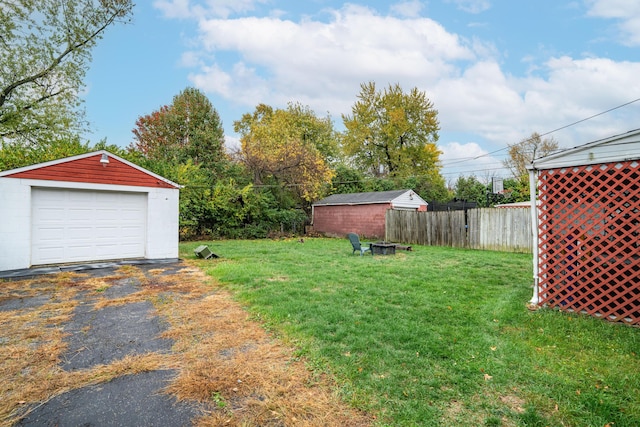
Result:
{"points": [[472, 6], [190, 59], [625, 11], [468, 159], [213, 79], [482, 99], [505, 109], [174, 8], [323, 63], [252, 60], [232, 143], [407, 9]]}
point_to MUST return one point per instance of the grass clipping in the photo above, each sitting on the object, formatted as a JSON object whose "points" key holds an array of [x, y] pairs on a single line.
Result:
{"points": [[226, 361]]}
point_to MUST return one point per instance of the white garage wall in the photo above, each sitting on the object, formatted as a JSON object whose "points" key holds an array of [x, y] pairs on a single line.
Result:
{"points": [[15, 224], [162, 223], [15, 218]]}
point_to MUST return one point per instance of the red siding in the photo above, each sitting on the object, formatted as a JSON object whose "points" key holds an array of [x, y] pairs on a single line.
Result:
{"points": [[366, 220], [91, 170]]}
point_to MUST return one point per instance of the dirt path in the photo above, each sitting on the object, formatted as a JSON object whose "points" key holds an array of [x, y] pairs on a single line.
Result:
{"points": [[150, 345]]}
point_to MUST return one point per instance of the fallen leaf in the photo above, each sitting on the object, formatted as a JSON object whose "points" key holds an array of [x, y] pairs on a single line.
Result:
{"points": [[494, 348]]}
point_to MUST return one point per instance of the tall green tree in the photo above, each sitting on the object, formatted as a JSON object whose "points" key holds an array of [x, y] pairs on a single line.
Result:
{"points": [[45, 49], [188, 129], [348, 180], [13, 155], [470, 189], [393, 133], [287, 150]]}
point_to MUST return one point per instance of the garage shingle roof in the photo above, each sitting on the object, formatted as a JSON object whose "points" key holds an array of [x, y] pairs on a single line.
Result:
{"points": [[361, 198]]}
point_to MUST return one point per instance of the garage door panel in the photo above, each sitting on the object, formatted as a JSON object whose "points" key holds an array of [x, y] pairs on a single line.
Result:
{"points": [[52, 234], [129, 215], [52, 215], [132, 231], [102, 233], [53, 253], [76, 233], [102, 214], [75, 225], [79, 251], [86, 197], [129, 250], [111, 251], [79, 214]]}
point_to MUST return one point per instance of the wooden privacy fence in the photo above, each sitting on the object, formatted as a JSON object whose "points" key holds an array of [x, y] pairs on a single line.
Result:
{"points": [[490, 228]]}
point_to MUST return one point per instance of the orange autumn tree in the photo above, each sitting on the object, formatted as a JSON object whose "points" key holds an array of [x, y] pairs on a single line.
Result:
{"points": [[288, 151]]}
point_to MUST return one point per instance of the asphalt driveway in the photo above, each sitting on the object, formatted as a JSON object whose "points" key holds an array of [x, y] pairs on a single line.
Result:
{"points": [[148, 344], [97, 336]]}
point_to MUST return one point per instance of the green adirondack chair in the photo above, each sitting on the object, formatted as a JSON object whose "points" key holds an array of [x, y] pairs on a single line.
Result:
{"points": [[357, 246]]}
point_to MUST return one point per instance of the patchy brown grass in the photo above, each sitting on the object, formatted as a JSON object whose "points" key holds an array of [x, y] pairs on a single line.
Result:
{"points": [[224, 359]]}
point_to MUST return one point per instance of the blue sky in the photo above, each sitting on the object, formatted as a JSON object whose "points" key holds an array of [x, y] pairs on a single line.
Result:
{"points": [[496, 70]]}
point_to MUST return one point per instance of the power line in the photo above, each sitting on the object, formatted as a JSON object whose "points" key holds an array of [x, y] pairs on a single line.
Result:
{"points": [[472, 171], [468, 159], [463, 159]]}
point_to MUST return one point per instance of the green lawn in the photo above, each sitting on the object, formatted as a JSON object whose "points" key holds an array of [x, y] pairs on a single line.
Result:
{"points": [[436, 336]]}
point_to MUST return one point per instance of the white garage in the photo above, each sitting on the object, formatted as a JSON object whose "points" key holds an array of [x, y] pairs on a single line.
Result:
{"points": [[92, 207]]}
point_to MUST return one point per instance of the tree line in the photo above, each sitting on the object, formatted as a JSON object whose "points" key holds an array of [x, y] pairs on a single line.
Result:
{"points": [[287, 157]]}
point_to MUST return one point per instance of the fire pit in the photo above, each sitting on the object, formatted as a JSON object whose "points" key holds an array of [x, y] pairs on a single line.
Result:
{"points": [[383, 248]]}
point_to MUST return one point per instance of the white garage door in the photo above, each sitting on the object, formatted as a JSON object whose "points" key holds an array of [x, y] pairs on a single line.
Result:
{"points": [[74, 225]]}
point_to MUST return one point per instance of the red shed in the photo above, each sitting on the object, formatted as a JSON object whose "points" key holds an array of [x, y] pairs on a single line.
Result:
{"points": [[587, 229], [361, 213]]}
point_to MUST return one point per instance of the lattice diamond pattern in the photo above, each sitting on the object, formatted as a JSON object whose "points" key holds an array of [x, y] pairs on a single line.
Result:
{"points": [[589, 240]]}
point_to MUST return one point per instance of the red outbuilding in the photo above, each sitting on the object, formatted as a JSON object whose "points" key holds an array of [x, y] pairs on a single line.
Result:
{"points": [[361, 213], [587, 229]]}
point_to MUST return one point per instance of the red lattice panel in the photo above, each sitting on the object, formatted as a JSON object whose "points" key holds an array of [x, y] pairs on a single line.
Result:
{"points": [[589, 240]]}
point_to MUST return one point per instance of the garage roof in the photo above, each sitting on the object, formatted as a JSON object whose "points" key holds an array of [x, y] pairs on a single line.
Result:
{"points": [[92, 167]]}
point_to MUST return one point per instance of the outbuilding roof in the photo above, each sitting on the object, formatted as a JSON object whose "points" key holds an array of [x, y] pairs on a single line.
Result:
{"points": [[362, 198], [617, 148]]}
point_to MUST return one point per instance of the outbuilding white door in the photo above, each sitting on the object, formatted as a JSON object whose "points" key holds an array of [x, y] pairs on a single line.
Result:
{"points": [[78, 225]]}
